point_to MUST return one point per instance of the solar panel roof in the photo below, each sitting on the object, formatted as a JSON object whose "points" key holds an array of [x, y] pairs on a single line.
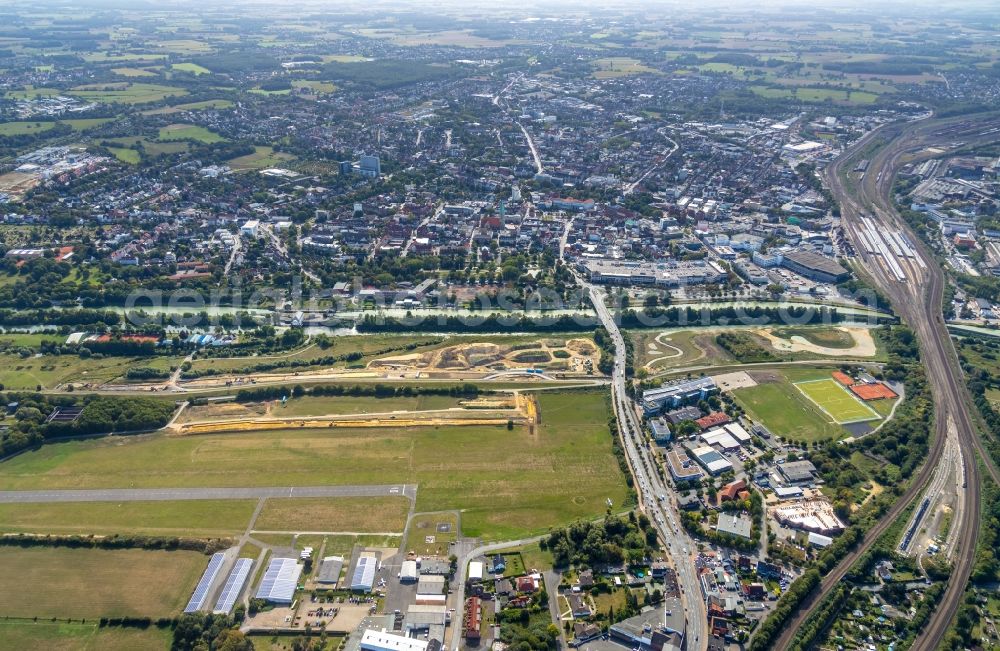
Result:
{"points": [[234, 585], [364, 573], [280, 580], [207, 578]]}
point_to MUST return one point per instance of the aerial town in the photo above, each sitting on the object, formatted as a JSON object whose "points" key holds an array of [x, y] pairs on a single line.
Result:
{"points": [[402, 327]]}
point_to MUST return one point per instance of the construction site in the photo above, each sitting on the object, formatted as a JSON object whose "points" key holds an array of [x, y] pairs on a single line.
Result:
{"points": [[492, 409]]}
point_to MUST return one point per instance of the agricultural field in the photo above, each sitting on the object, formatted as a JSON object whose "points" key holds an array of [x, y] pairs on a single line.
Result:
{"points": [[261, 159], [200, 518], [60, 582], [836, 401], [508, 482], [189, 132], [348, 514], [63, 636]]}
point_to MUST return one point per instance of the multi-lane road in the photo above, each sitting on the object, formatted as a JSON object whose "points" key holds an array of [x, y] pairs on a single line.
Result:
{"points": [[917, 299], [654, 498]]}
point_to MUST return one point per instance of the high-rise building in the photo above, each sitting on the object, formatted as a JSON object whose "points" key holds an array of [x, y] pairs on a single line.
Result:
{"points": [[346, 167], [370, 166]]}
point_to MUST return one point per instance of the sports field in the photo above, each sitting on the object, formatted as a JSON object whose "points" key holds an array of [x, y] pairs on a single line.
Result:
{"points": [[833, 399]]}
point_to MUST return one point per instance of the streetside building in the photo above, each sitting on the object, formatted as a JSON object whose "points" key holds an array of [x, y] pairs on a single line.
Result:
{"points": [[815, 266], [384, 641], [676, 394]]}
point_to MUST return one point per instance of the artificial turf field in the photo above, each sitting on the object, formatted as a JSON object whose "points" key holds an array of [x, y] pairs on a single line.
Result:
{"points": [[836, 401]]}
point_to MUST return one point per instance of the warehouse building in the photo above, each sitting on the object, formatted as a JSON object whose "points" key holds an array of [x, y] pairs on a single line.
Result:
{"points": [[329, 570], [815, 266], [713, 462], [280, 581], [363, 576], [384, 641], [409, 573], [797, 472]]}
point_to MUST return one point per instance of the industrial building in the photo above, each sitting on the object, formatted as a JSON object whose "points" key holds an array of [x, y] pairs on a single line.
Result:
{"points": [[815, 266], [384, 641], [681, 466], [713, 462], [205, 583], [676, 394], [234, 585], [363, 576], [409, 573], [734, 525], [797, 472], [329, 570], [475, 572], [280, 580], [720, 438]]}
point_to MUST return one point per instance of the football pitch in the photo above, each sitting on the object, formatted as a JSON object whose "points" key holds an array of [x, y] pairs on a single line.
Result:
{"points": [[836, 402]]}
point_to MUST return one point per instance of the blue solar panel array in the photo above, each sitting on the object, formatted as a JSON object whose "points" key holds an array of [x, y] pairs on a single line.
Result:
{"points": [[207, 579], [234, 586]]}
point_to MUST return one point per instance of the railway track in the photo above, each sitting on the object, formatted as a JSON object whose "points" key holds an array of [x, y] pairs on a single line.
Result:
{"points": [[917, 299]]}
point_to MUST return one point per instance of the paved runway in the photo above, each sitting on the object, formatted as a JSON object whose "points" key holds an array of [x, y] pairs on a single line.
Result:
{"points": [[169, 494]]}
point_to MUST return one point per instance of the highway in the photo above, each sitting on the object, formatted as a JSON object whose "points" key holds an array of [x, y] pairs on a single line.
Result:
{"points": [[654, 497], [917, 299]]}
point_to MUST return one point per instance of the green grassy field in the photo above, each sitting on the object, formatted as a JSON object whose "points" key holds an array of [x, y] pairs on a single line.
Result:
{"points": [[201, 518], [130, 156], [836, 401], [315, 86], [365, 345], [65, 582], [816, 94], [30, 92], [191, 106], [24, 128], [787, 412], [355, 514], [509, 483], [126, 92], [150, 147], [262, 158], [820, 336], [60, 636], [426, 524], [50, 370], [189, 132], [82, 124], [133, 72], [193, 68]]}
